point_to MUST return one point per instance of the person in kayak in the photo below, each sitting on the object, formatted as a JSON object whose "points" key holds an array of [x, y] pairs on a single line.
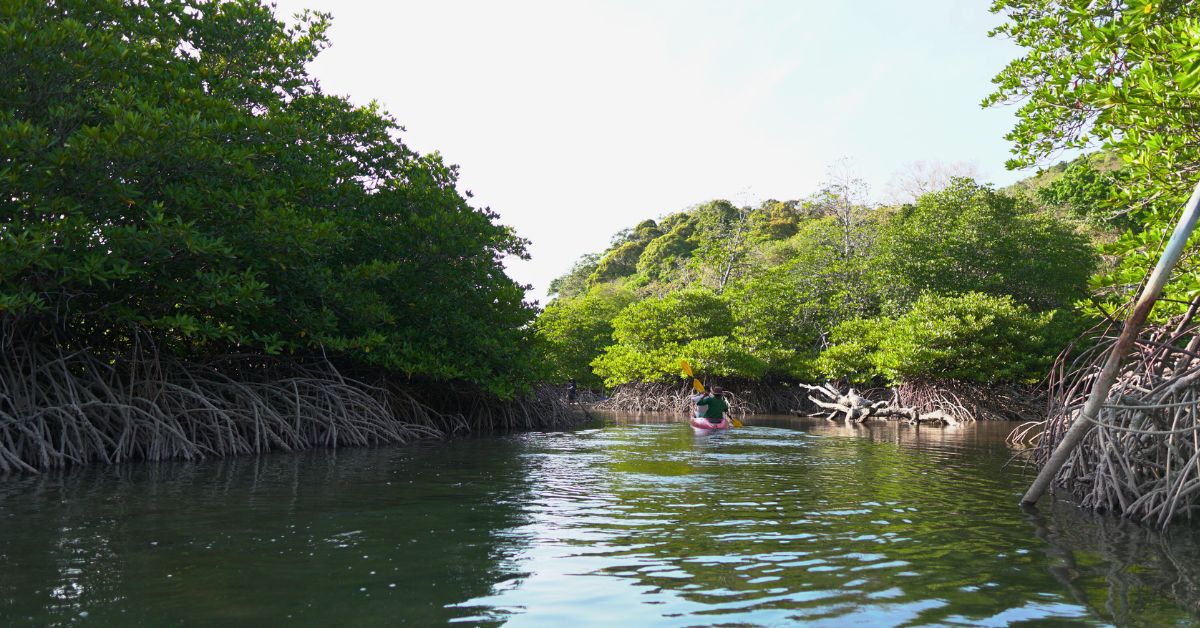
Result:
{"points": [[712, 405]]}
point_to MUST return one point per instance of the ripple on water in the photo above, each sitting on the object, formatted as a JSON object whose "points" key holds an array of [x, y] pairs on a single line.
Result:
{"points": [[784, 522]]}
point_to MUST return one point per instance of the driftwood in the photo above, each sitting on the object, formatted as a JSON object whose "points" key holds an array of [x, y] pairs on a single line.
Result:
{"points": [[855, 408]]}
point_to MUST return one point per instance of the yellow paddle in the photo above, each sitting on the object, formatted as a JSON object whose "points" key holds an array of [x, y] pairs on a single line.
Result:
{"points": [[687, 368]]}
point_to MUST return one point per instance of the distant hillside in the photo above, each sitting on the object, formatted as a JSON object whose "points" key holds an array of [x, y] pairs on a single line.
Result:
{"points": [[1101, 161]]}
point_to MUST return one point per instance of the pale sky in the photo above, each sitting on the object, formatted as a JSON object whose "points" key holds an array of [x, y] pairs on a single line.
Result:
{"points": [[576, 119]]}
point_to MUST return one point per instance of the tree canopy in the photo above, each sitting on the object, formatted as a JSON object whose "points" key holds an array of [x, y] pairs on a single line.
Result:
{"points": [[779, 290], [1123, 75], [970, 238], [171, 168], [651, 336], [966, 337]]}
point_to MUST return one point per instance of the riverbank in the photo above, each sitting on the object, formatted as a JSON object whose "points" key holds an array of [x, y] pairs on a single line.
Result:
{"points": [[965, 401], [70, 409]]}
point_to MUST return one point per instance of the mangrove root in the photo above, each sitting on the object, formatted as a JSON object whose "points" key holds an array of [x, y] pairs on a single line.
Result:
{"points": [[60, 408], [1142, 457], [744, 398]]}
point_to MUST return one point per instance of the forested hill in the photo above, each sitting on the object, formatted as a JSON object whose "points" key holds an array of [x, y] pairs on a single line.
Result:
{"points": [[965, 283]]}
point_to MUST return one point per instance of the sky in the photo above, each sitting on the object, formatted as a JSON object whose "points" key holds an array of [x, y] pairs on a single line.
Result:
{"points": [[575, 119]]}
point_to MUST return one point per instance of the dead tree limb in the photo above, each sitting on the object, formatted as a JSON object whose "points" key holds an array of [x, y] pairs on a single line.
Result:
{"points": [[855, 408]]}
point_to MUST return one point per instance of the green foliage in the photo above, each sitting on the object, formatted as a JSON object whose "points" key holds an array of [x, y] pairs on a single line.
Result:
{"points": [[676, 319], [784, 353], [853, 344], [172, 167], [773, 319], [617, 263], [622, 259], [575, 331], [722, 243], [1125, 75], [834, 285], [785, 312], [711, 244], [1087, 193], [652, 335], [975, 284], [970, 238], [575, 282], [664, 255], [776, 220], [973, 336]]}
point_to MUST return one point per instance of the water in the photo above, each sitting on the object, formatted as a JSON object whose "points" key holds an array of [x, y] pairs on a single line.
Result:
{"points": [[632, 521]]}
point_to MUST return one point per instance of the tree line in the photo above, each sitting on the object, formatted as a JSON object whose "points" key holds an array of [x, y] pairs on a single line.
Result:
{"points": [[178, 190], [967, 282]]}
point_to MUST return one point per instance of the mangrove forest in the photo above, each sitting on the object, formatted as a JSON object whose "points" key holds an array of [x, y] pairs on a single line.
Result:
{"points": [[205, 254], [264, 361]]}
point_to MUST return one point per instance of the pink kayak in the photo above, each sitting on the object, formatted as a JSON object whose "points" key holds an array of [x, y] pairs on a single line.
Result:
{"points": [[702, 426]]}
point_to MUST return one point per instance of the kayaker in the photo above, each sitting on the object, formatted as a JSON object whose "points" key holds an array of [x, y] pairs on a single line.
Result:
{"points": [[712, 405]]}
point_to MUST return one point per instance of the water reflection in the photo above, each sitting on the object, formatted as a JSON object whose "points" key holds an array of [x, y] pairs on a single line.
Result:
{"points": [[1117, 569], [350, 535], [790, 521], [635, 520]]}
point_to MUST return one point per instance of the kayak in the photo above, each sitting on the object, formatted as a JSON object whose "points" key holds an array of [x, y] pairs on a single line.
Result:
{"points": [[702, 426]]}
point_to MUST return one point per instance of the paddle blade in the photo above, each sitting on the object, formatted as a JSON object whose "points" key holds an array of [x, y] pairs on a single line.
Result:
{"points": [[736, 422], [687, 368]]}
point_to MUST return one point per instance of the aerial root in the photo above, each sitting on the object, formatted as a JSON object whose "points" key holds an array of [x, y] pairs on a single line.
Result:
{"points": [[743, 397], [61, 408], [1142, 459]]}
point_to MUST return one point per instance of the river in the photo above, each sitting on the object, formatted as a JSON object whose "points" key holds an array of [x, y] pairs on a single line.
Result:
{"points": [[626, 520]]}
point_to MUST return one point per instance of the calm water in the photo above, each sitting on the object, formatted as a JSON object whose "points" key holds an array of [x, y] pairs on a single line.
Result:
{"points": [[632, 521]]}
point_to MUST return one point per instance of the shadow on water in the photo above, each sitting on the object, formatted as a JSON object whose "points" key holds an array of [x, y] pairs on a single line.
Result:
{"points": [[1114, 567], [359, 536], [630, 519]]}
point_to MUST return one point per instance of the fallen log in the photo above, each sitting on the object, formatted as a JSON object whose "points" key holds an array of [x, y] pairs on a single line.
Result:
{"points": [[857, 408]]}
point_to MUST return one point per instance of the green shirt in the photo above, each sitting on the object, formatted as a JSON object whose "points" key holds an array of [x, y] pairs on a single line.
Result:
{"points": [[714, 407]]}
